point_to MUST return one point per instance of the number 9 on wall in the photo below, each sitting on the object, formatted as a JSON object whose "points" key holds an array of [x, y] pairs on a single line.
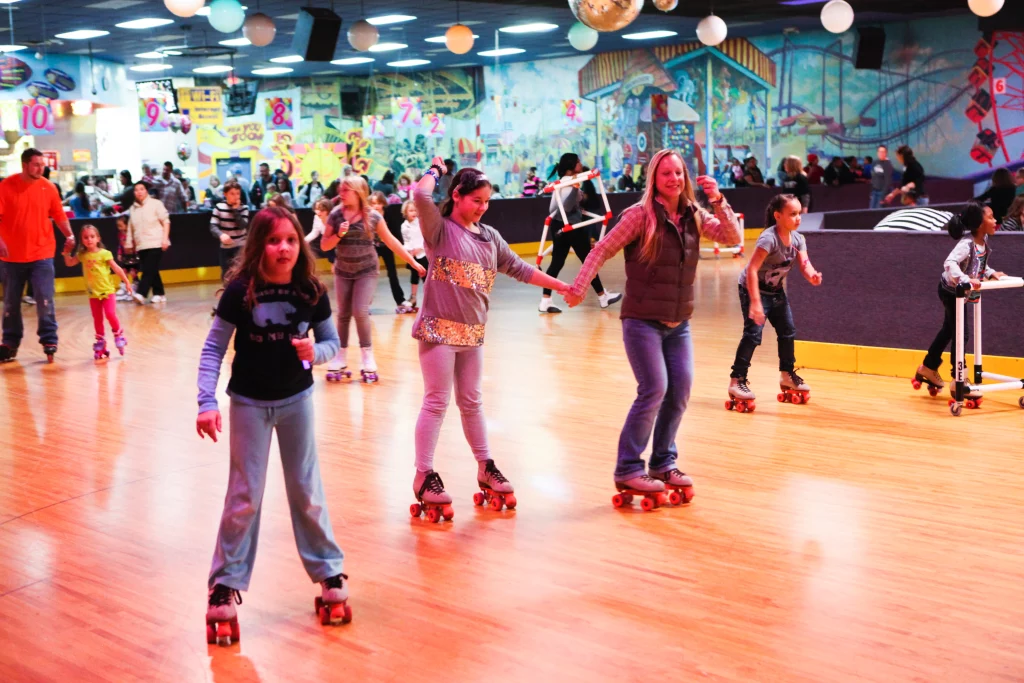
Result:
{"points": [[36, 117]]}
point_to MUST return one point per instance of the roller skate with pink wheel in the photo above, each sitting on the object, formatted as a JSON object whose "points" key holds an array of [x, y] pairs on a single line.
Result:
{"points": [[332, 603], [221, 616], [407, 306], [99, 349], [741, 398], [794, 389], [652, 490], [369, 371], [50, 350], [7, 353], [434, 502], [495, 490], [927, 376], [678, 484], [120, 342], [337, 369]]}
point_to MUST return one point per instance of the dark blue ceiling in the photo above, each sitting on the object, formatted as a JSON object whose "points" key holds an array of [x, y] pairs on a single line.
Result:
{"points": [[37, 21]]}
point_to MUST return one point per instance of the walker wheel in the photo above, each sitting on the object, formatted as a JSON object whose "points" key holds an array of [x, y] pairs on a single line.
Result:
{"points": [[647, 504], [497, 504], [415, 509], [1020, 401], [478, 498], [510, 501], [955, 408], [618, 500]]}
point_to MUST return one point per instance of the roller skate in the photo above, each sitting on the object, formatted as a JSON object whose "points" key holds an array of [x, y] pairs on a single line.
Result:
{"points": [[369, 371], [99, 349], [741, 398], [650, 488], [679, 485], [332, 604], [434, 501], [120, 342], [794, 389], [495, 489], [50, 350], [930, 377], [221, 616], [408, 306], [337, 369], [7, 354]]}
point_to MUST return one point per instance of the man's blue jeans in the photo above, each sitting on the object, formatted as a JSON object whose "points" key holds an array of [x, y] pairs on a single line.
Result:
{"points": [[40, 274]]}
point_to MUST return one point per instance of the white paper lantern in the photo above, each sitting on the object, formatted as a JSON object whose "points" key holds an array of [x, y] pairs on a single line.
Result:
{"points": [[184, 8], [985, 8], [226, 16], [259, 29], [363, 35], [712, 30], [582, 37], [837, 16], [459, 39]]}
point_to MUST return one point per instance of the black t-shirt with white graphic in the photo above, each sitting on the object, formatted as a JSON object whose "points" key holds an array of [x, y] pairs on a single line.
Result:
{"points": [[266, 366]]}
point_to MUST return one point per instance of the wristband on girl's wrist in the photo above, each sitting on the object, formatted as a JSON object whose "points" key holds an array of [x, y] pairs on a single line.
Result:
{"points": [[434, 171]]}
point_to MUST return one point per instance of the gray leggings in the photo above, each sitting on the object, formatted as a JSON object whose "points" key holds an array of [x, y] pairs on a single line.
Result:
{"points": [[442, 366], [353, 298]]}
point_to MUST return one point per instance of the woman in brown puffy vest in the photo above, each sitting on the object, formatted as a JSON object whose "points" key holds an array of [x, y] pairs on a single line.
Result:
{"points": [[661, 237]]}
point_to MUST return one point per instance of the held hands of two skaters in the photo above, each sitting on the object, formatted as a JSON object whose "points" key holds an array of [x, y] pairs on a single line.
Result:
{"points": [[210, 423]]}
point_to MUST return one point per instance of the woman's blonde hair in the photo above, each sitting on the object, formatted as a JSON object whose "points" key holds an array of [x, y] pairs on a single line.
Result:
{"points": [[650, 240], [792, 165]]}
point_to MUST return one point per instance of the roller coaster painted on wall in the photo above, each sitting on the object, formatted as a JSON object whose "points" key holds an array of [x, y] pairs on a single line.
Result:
{"points": [[905, 103]]}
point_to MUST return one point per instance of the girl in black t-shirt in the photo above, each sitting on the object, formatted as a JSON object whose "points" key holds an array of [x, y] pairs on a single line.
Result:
{"points": [[272, 300]]}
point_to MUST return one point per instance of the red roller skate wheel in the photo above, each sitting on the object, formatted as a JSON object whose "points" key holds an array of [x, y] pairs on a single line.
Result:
{"points": [[478, 498], [782, 398], [797, 399], [675, 498], [627, 497], [971, 404], [496, 504], [211, 635], [510, 501], [933, 391], [914, 383], [728, 405], [448, 513], [618, 500], [415, 509], [433, 515], [647, 504]]}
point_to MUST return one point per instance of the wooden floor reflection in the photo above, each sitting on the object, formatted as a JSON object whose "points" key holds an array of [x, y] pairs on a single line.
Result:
{"points": [[866, 536]]}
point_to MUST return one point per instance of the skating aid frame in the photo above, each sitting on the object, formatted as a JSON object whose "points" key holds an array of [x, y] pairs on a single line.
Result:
{"points": [[569, 181], [961, 386]]}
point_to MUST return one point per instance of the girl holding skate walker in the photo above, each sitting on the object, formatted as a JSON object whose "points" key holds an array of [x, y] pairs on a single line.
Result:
{"points": [[763, 298]]}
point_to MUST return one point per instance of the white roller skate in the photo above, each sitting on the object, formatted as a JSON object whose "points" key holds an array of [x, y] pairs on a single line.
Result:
{"points": [[369, 371], [332, 603], [679, 485], [221, 616], [794, 389], [650, 488], [741, 397], [434, 501], [495, 489], [337, 367]]}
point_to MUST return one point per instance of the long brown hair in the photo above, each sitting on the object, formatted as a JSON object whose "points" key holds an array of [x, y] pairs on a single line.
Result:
{"points": [[249, 265], [650, 241], [465, 181]]}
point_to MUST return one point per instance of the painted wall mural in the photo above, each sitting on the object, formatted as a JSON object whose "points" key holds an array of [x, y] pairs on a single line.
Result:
{"points": [[954, 95]]}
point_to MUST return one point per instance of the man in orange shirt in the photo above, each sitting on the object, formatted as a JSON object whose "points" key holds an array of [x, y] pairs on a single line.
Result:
{"points": [[27, 247]]}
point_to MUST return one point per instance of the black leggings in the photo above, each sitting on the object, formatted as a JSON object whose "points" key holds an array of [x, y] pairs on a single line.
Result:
{"points": [[149, 264], [947, 333], [389, 264], [579, 241], [414, 279]]}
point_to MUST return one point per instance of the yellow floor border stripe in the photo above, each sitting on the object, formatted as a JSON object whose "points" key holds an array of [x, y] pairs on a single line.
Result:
{"points": [[876, 360]]}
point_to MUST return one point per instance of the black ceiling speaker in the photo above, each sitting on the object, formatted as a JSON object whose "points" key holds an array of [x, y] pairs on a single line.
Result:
{"points": [[316, 34], [870, 47]]}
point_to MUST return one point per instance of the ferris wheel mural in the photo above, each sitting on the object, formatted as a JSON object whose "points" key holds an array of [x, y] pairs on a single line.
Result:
{"points": [[997, 105]]}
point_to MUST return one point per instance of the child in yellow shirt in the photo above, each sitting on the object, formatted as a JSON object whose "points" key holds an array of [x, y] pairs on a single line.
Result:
{"points": [[97, 263]]}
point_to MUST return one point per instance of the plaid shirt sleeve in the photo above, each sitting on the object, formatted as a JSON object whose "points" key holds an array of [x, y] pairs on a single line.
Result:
{"points": [[628, 229], [721, 227]]}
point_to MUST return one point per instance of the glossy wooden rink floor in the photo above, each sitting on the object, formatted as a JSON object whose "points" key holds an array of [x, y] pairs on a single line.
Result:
{"points": [[866, 536]]}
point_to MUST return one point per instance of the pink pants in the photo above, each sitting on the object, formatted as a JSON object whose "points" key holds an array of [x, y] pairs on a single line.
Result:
{"points": [[106, 306]]}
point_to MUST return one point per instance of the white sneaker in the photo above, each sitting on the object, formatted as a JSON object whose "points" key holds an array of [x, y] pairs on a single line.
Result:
{"points": [[337, 363], [609, 298], [546, 307], [159, 299], [139, 299], [28, 301]]}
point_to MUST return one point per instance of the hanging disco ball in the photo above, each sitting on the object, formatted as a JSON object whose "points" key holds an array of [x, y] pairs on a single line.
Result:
{"points": [[606, 15]]}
